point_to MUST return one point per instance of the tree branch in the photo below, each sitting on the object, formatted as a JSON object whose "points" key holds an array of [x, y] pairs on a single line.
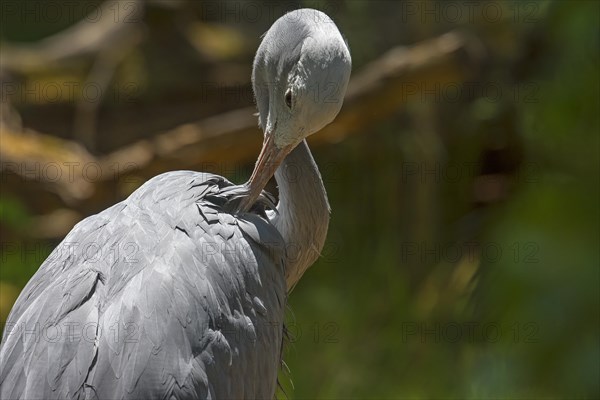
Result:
{"points": [[232, 138]]}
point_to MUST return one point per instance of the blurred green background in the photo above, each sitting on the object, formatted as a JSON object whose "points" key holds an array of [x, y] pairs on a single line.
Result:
{"points": [[463, 254]]}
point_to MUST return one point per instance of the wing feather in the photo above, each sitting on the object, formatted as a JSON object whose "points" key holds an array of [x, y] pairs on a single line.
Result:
{"points": [[167, 295]]}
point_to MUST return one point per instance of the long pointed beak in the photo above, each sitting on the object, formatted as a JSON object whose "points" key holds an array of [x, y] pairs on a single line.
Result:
{"points": [[269, 159]]}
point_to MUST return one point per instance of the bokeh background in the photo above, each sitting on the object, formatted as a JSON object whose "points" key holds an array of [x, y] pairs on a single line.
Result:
{"points": [[463, 173]]}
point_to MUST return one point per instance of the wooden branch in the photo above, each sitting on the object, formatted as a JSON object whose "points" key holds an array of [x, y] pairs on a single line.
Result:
{"points": [[376, 92], [91, 35]]}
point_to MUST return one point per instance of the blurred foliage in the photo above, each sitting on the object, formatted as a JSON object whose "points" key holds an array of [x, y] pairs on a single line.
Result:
{"points": [[483, 286], [534, 312]]}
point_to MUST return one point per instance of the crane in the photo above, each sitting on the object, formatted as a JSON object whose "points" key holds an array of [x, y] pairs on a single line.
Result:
{"points": [[179, 291]]}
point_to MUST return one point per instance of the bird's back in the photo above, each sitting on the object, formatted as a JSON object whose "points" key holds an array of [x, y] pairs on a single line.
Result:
{"points": [[164, 295]]}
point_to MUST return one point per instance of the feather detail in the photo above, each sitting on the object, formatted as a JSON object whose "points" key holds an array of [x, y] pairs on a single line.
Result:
{"points": [[180, 300]]}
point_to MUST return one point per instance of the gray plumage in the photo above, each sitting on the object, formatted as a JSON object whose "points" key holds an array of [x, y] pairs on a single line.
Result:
{"points": [[179, 291], [176, 323]]}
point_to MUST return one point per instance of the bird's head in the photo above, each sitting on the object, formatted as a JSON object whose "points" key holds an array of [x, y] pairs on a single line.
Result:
{"points": [[301, 71], [300, 74]]}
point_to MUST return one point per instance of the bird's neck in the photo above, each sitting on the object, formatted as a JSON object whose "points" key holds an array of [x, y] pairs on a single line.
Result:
{"points": [[303, 211]]}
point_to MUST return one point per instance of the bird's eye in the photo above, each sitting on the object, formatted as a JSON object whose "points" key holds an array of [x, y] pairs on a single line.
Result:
{"points": [[288, 99]]}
